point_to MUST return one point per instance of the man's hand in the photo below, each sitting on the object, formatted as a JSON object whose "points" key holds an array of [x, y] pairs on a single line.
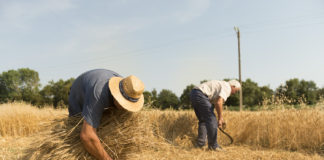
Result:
{"points": [[92, 143]]}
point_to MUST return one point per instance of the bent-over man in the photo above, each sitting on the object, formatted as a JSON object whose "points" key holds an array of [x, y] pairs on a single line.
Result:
{"points": [[96, 90], [206, 97]]}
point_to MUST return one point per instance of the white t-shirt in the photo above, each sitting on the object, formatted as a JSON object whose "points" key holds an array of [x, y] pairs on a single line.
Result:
{"points": [[214, 89]]}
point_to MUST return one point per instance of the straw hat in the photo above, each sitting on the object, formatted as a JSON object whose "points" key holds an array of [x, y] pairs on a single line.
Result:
{"points": [[128, 92]]}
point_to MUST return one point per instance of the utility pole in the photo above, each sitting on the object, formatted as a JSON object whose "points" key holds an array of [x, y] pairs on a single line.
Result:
{"points": [[237, 30]]}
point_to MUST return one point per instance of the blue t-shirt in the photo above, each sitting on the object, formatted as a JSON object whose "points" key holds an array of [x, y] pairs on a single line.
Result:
{"points": [[90, 95]]}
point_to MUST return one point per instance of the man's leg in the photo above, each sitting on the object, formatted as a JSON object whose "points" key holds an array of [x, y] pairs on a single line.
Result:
{"points": [[202, 131], [199, 104], [211, 126]]}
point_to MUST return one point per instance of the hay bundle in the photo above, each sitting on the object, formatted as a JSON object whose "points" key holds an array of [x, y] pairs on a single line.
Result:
{"points": [[121, 133], [124, 135]]}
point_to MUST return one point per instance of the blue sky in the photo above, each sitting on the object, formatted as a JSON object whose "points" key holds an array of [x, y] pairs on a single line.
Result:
{"points": [[167, 44]]}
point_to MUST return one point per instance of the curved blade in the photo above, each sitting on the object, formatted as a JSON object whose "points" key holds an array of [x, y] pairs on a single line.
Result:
{"points": [[229, 136]]}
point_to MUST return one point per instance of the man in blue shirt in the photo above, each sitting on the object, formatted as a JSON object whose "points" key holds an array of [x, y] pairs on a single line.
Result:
{"points": [[96, 90]]}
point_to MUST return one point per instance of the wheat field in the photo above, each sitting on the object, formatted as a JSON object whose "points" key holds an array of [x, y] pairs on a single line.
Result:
{"points": [[30, 133]]}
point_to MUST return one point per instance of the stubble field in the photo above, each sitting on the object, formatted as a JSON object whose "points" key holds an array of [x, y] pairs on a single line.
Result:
{"points": [[27, 132]]}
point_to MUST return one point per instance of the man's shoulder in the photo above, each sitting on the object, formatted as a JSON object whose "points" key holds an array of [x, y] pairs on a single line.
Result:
{"points": [[98, 75], [100, 72], [218, 82]]}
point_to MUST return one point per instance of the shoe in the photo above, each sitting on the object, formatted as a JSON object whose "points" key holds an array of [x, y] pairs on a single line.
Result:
{"points": [[199, 146], [218, 148]]}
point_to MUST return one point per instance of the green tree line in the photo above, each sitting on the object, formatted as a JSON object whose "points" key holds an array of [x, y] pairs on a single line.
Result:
{"points": [[293, 92], [24, 85]]}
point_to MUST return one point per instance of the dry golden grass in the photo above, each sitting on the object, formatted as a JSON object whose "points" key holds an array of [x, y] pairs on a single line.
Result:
{"points": [[154, 134], [15, 148], [295, 130], [21, 119], [171, 133], [231, 153]]}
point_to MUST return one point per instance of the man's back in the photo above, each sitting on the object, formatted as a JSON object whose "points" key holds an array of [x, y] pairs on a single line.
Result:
{"points": [[214, 88], [90, 94]]}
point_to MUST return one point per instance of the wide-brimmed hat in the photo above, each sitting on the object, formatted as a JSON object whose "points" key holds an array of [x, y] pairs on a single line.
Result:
{"points": [[128, 92]]}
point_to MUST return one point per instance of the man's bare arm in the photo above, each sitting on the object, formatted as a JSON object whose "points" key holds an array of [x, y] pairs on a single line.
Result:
{"points": [[92, 143], [219, 108]]}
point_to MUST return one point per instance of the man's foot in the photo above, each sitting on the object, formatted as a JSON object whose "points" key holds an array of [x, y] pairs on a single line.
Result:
{"points": [[199, 146], [218, 148]]}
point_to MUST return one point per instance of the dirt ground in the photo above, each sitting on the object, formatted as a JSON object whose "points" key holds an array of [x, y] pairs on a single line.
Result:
{"points": [[15, 148]]}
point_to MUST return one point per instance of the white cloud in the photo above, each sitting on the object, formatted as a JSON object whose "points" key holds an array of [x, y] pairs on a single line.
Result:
{"points": [[193, 9]]}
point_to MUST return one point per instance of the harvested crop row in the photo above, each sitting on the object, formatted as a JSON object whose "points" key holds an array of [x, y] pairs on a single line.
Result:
{"points": [[130, 135]]}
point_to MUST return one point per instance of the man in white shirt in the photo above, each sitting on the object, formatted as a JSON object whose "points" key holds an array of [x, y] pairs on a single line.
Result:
{"points": [[206, 97]]}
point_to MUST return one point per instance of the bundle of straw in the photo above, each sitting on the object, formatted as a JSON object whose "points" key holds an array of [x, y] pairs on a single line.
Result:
{"points": [[120, 132]]}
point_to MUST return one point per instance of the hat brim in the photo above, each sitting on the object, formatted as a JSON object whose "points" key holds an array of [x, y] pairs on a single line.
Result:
{"points": [[126, 104]]}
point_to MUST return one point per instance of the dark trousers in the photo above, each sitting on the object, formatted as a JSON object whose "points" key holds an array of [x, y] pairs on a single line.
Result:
{"points": [[207, 125]]}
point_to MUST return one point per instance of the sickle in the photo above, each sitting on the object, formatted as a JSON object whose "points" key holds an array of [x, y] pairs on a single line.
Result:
{"points": [[229, 136]]}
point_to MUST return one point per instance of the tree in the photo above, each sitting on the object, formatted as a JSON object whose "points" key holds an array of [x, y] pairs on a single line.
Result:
{"points": [[288, 92], [154, 98], [295, 91], [29, 86], [22, 84], [154, 94], [10, 82], [147, 97], [57, 93], [308, 90], [61, 91], [253, 94], [203, 81], [266, 93], [320, 94], [167, 99], [150, 99], [233, 100], [3, 90], [185, 97], [46, 96]]}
